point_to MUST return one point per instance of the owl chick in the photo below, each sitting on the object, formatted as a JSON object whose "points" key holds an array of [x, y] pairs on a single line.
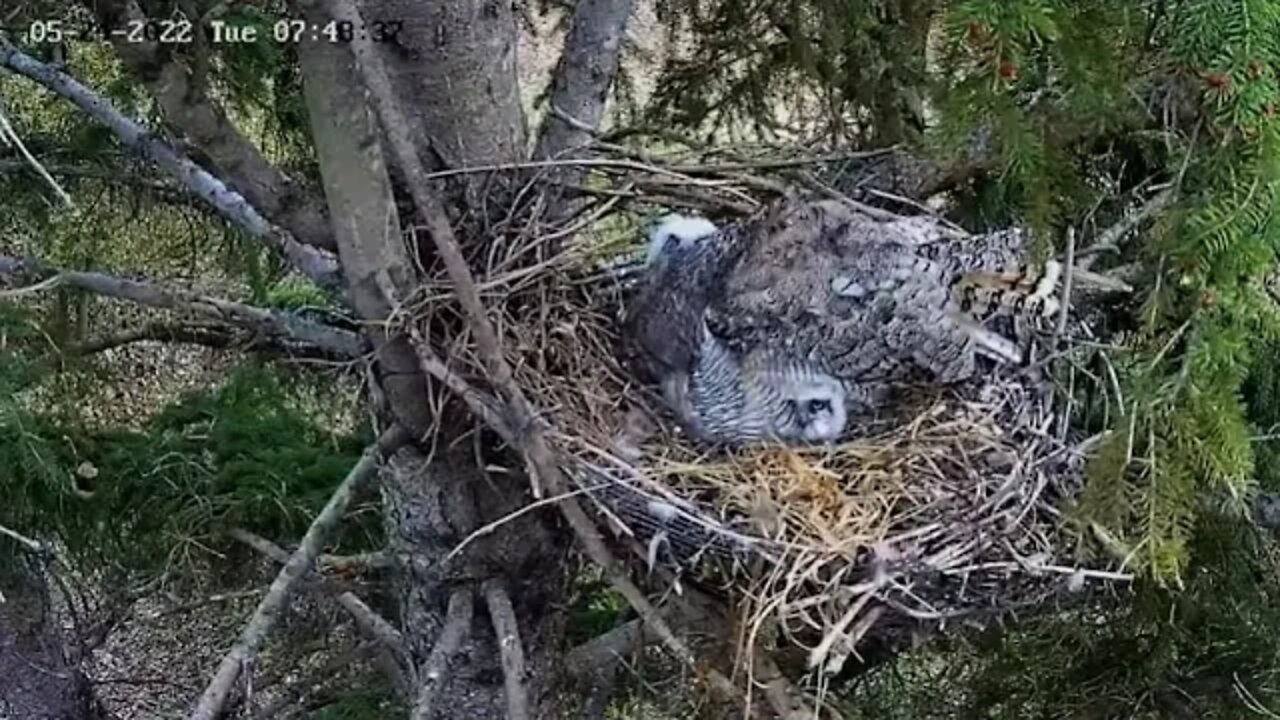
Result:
{"points": [[674, 234], [758, 397], [718, 394]]}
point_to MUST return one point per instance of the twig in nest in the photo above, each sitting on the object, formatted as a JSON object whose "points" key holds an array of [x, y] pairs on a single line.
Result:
{"points": [[254, 633], [434, 672], [507, 630], [495, 524]]}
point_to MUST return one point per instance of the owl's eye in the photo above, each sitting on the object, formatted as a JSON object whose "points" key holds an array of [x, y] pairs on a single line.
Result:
{"points": [[818, 406]]}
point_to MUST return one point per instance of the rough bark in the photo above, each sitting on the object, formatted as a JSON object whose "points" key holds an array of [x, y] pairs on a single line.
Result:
{"points": [[178, 89], [454, 68], [366, 224], [579, 93], [583, 78], [460, 83], [432, 507]]}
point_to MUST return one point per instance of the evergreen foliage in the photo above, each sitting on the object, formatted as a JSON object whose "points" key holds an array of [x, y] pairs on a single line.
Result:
{"points": [[242, 455]]}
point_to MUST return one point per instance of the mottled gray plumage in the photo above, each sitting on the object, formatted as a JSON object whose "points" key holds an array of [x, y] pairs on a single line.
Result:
{"points": [[872, 301], [812, 300]]}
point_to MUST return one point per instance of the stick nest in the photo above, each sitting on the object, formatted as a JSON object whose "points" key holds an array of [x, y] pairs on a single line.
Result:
{"points": [[947, 505]]}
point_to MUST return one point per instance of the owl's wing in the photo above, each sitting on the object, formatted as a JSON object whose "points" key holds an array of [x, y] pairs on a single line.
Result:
{"points": [[664, 321], [826, 287], [993, 252]]}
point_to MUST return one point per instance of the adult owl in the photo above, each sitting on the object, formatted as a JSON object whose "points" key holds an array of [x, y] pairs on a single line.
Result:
{"points": [[780, 326]]}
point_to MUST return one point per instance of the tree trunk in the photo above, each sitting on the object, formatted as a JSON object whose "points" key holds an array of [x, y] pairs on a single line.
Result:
{"points": [[454, 65], [37, 679]]}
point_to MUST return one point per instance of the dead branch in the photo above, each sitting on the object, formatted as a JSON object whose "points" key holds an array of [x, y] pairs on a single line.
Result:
{"points": [[368, 621], [511, 649], [587, 67], [9, 136], [34, 546], [299, 563], [1109, 239], [355, 564], [272, 323], [531, 442], [322, 267], [434, 672], [205, 334], [180, 90]]}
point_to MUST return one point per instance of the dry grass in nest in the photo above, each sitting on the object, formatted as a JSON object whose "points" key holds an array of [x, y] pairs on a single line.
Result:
{"points": [[948, 506]]}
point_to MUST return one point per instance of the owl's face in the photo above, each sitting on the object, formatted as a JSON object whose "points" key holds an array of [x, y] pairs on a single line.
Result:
{"points": [[814, 410], [674, 233]]}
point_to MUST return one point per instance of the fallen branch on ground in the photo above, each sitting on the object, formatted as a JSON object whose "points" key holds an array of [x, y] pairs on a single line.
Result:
{"points": [[254, 633]]}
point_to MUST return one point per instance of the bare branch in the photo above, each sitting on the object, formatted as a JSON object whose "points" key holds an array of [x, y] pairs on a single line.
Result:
{"points": [[582, 81], [180, 90], [9, 136], [322, 267], [369, 622], [1109, 239], [457, 624], [211, 335], [273, 323], [34, 546], [251, 638], [507, 630], [355, 564]]}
